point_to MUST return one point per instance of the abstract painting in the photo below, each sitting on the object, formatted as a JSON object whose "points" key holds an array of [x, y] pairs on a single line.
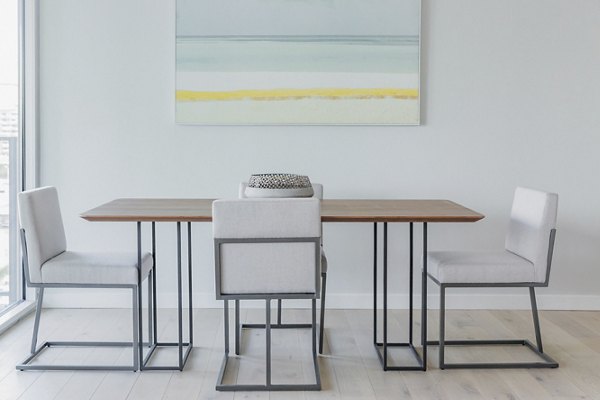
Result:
{"points": [[312, 62]]}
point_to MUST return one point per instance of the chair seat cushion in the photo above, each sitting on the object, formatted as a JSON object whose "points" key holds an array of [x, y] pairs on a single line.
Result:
{"points": [[479, 267], [95, 268]]}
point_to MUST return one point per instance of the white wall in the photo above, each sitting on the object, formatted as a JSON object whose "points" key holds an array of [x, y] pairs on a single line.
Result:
{"points": [[511, 96]]}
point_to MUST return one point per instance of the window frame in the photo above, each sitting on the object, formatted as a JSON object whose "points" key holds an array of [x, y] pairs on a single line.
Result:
{"points": [[27, 174]]}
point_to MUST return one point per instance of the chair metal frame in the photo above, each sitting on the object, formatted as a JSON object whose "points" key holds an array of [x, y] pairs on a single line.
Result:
{"points": [[268, 386], [279, 324], [135, 344], [548, 362]]}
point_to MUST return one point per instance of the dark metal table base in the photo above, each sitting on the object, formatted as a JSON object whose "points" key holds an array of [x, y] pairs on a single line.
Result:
{"points": [[184, 348], [381, 352], [381, 347], [157, 345]]}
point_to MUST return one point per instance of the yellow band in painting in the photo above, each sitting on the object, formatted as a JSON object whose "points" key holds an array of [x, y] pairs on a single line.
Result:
{"points": [[294, 94]]}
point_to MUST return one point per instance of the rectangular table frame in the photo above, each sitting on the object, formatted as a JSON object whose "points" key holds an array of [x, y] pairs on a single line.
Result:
{"points": [[381, 347], [153, 343]]}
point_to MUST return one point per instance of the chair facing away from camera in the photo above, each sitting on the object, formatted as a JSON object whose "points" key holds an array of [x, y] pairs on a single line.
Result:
{"points": [[318, 193], [267, 249]]}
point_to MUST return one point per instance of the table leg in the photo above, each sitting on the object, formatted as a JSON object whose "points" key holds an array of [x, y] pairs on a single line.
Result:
{"points": [[424, 299], [190, 305], [154, 303], [382, 347], [410, 285], [385, 296], [375, 283], [139, 294], [179, 299], [180, 344]]}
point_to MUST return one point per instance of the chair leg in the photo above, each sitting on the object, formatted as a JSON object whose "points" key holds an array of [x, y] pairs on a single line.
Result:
{"points": [[278, 311], [237, 327], [268, 385], [136, 322], [322, 322], [268, 339], [442, 325], [226, 325], [536, 320], [38, 313], [545, 362], [28, 365], [150, 323]]}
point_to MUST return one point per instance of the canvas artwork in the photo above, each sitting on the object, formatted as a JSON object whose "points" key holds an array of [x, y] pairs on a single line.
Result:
{"points": [[276, 62]]}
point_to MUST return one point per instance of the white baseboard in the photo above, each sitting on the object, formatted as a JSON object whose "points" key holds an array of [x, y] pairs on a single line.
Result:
{"points": [[59, 298]]}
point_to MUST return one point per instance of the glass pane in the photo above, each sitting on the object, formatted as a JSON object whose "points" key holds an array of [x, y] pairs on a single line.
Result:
{"points": [[9, 130]]}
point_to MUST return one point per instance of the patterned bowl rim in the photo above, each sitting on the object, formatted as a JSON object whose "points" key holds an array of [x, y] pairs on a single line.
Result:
{"points": [[297, 181]]}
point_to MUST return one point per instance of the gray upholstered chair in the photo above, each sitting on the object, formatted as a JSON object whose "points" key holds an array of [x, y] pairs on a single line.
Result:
{"points": [[267, 249], [48, 264], [525, 262], [318, 193]]}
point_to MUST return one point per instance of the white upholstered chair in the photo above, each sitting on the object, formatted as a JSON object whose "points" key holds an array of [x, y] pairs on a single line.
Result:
{"points": [[267, 249], [525, 262], [48, 264], [318, 194]]}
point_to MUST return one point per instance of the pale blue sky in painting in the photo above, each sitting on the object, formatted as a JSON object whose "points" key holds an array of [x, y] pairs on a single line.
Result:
{"points": [[298, 17]]}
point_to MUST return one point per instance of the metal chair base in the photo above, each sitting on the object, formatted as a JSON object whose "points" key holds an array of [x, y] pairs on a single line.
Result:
{"points": [[26, 365], [548, 362], [280, 325], [263, 388], [268, 386]]}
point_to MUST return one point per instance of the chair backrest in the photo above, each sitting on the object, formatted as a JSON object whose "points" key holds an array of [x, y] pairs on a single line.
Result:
{"points": [[531, 228], [266, 246], [41, 221], [317, 188]]}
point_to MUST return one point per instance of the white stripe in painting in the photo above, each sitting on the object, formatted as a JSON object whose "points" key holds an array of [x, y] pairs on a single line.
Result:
{"points": [[225, 81]]}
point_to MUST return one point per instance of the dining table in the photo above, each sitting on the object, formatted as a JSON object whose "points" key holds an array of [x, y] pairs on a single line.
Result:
{"points": [[372, 211]]}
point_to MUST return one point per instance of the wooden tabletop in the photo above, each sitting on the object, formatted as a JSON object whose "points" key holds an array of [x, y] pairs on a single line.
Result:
{"points": [[200, 210], [396, 211]]}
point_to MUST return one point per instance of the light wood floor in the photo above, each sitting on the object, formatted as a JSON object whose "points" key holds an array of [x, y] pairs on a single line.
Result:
{"points": [[349, 370]]}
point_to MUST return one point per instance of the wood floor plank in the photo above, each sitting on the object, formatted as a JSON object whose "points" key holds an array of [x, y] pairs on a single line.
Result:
{"points": [[350, 368], [107, 325], [50, 383], [150, 385], [351, 374], [188, 385], [115, 385]]}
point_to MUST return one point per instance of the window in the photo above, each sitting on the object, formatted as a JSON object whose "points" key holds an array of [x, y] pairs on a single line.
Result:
{"points": [[10, 67]]}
